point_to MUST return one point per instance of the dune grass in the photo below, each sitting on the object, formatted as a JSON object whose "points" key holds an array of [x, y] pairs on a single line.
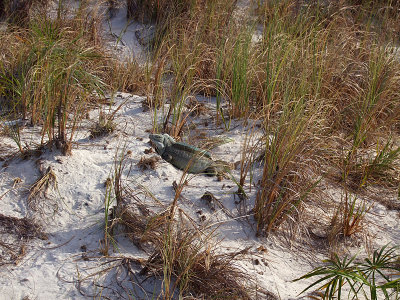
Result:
{"points": [[53, 70], [321, 78], [52, 79], [317, 73]]}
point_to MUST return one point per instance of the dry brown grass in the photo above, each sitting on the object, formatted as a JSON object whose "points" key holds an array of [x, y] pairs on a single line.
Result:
{"points": [[195, 266], [14, 235], [148, 162], [51, 70], [38, 200], [19, 12], [182, 254], [352, 74], [125, 75]]}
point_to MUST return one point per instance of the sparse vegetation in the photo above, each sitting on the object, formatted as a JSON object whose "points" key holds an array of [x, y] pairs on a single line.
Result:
{"points": [[348, 218], [180, 252], [317, 83]]}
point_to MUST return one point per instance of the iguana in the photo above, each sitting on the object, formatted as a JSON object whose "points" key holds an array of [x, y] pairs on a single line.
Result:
{"points": [[185, 156]]}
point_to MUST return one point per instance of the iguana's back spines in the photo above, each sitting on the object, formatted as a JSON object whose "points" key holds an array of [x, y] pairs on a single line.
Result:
{"points": [[192, 149]]}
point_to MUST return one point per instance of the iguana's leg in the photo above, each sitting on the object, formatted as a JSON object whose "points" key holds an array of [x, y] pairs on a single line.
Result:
{"points": [[219, 168], [211, 171], [167, 157]]}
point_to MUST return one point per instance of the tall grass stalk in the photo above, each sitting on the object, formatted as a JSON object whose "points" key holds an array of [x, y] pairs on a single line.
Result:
{"points": [[240, 87], [287, 144], [108, 217]]}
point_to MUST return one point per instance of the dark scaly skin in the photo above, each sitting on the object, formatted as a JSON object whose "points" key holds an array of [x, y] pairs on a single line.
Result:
{"points": [[185, 156], [192, 159]]}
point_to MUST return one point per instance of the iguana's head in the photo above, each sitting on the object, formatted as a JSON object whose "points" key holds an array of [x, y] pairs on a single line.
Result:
{"points": [[161, 141]]}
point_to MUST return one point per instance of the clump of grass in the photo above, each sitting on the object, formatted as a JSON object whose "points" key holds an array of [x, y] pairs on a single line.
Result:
{"points": [[288, 91], [51, 79], [290, 149], [126, 76], [349, 217], [376, 277], [375, 108], [197, 270]]}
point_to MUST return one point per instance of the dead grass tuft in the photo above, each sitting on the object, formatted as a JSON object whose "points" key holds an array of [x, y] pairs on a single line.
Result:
{"points": [[125, 75], [146, 163], [211, 275], [39, 200], [14, 234], [196, 267], [141, 225]]}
